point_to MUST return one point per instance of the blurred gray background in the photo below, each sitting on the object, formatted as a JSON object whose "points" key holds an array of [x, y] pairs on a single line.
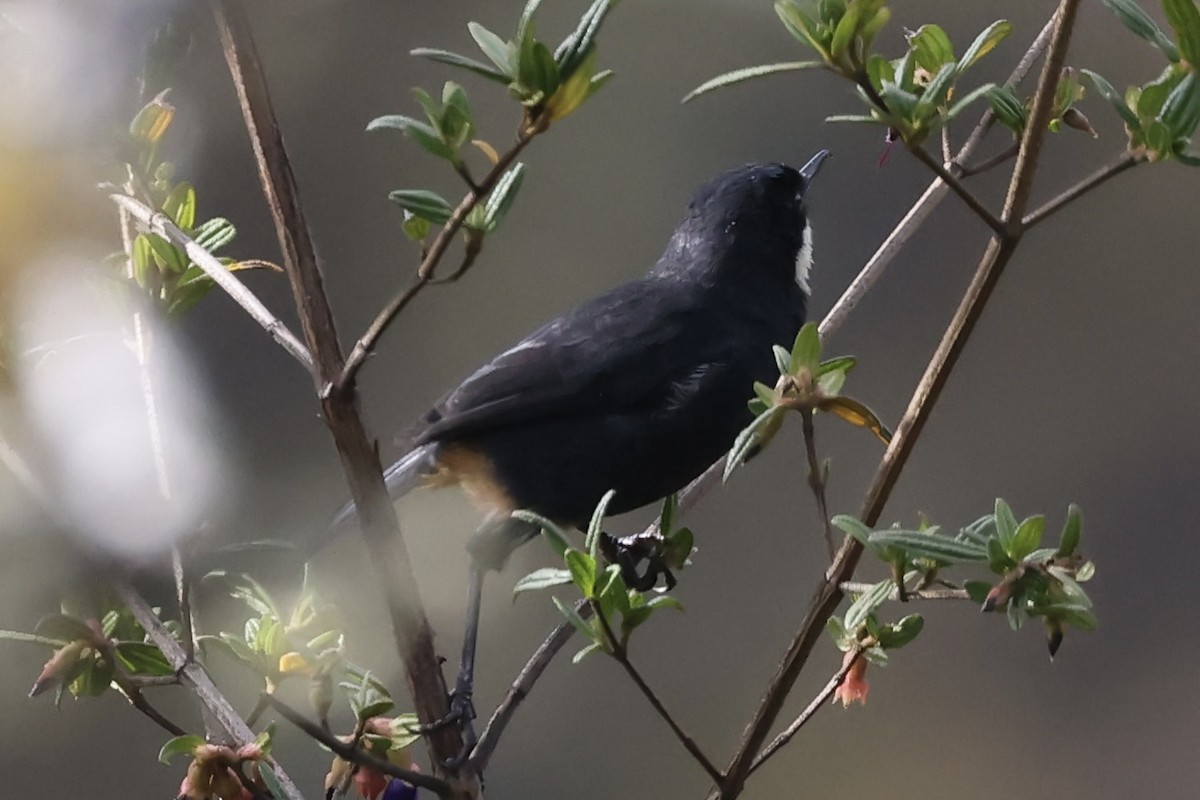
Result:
{"points": [[1078, 386]]}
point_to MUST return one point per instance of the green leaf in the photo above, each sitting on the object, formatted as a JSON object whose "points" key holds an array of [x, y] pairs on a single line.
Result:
{"points": [[544, 578], [939, 87], [63, 627], [141, 259], [143, 658], [1086, 572], [879, 70], [1135, 19], [180, 745], [1006, 525], [806, 350], [554, 534], [1184, 17], [866, 603], [415, 228], [756, 434], [419, 132], [857, 118], [931, 47], [783, 359], [800, 25], [594, 647], [242, 587], [876, 655], [538, 70], [1181, 109], [578, 46], [670, 508], [423, 203], [583, 571], [967, 99], [835, 628], [170, 259], [180, 205], [525, 25], [271, 780], [838, 364], [214, 234], [501, 198], [855, 529], [455, 60], [664, 601], [843, 32], [577, 622], [592, 540], [1028, 537], [985, 42], [901, 633], [1008, 108], [748, 73], [1110, 94], [918, 544], [998, 559], [496, 49], [977, 591]]}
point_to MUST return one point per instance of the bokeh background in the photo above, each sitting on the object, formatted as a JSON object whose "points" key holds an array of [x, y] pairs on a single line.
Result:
{"points": [[1079, 385]]}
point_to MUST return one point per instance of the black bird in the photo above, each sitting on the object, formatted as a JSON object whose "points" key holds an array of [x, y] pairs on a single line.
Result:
{"points": [[638, 390]]}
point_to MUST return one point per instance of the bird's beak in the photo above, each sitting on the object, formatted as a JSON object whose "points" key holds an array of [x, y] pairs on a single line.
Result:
{"points": [[809, 170]]}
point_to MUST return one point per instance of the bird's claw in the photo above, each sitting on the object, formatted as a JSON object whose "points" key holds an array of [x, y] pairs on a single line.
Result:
{"points": [[628, 553], [462, 713]]}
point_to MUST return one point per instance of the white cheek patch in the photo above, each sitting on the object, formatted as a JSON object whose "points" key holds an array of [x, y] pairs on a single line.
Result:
{"points": [[804, 260]]}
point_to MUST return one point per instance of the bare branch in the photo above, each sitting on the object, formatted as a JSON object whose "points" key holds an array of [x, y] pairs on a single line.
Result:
{"points": [[816, 479], [352, 753], [618, 651], [193, 675], [849, 587], [1112, 169], [161, 224], [359, 456], [951, 180], [807, 714]]}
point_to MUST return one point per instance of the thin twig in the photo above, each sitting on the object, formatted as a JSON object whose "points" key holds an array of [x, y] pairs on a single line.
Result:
{"points": [[807, 714], [816, 479], [351, 752], [425, 271], [194, 677], [999, 252], [957, 186], [161, 224], [1112, 169], [521, 686], [360, 458], [1007, 153], [618, 651]]}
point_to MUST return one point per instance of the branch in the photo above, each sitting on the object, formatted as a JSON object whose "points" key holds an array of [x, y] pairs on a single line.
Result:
{"points": [[952, 181], [161, 224], [816, 478], [355, 755], [999, 252], [521, 686], [619, 652], [808, 713], [425, 271], [193, 675], [360, 459], [1114, 168]]}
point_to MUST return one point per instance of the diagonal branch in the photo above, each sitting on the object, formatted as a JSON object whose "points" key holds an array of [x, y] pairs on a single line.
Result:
{"points": [[161, 224], [1111, 170], [425, 271], [360, 459], [194, 676]]}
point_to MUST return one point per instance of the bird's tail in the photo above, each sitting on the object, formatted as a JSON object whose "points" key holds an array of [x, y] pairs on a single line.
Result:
{"points": [[400, 478]]}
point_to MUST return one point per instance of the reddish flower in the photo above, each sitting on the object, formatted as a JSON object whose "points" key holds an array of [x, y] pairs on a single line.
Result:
{"points": [[854, 685], [370, 783]]}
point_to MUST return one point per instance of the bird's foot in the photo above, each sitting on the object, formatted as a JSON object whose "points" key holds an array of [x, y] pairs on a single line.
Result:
{"points": [[628, 553], [461, 713]]}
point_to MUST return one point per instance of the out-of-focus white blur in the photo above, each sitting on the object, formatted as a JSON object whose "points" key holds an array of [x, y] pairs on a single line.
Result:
{"points": [[127, 451]]}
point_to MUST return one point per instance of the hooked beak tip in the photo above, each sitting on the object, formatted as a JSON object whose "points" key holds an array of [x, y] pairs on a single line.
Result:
{"points": [[809, 170]]}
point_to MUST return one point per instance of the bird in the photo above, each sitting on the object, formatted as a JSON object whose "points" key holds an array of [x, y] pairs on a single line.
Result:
{"points": [[637, 390]]}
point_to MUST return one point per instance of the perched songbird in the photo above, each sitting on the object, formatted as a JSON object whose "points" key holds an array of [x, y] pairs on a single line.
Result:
{"points": [[638, 390]]}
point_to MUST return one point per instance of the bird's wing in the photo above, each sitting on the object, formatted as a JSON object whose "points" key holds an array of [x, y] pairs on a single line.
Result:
{"points": [[618, 352]]}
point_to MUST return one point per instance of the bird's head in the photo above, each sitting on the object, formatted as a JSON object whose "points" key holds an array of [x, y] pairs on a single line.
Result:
{"points": [[749, 222]]}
